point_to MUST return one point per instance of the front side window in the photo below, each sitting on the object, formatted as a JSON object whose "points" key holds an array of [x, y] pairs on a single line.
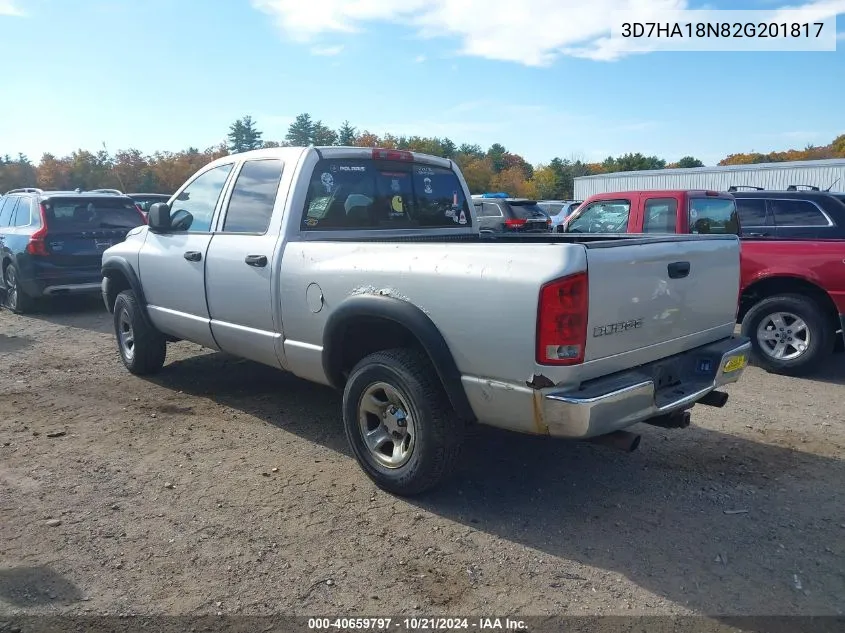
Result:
{"points": [[715, 216], [253, 197], [604, 216], [797, 213], [369, 194], [193, 209], [752, 212]]}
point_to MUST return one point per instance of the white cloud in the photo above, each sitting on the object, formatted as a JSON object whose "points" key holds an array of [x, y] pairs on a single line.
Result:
{"points": [[531, 32], [419, 59], [840, 36], [327, 51], [10, 7]]}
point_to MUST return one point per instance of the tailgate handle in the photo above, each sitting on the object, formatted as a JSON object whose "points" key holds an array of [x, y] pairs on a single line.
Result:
{"points": [[678, 270]]}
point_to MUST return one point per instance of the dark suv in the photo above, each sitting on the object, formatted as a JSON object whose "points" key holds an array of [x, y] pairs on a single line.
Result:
{"points": [[791, 214], [51, 242], [499, 213]]}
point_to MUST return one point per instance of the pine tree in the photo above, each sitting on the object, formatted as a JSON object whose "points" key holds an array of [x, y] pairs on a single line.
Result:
{"points": [[301, 131], [346, 134], [322, 135], [244, 136]]}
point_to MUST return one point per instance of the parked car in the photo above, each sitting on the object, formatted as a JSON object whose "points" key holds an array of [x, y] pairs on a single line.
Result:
{"points": [[51, 242], [381, 285], [558, 211], [792, 303], [146, 200], [500, 213]]}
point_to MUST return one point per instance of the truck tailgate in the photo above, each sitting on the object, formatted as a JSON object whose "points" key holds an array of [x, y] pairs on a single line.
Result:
{"points": [[646, 293]]}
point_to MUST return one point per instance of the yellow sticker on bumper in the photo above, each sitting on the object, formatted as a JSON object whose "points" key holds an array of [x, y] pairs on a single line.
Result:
{"points": [[735, 363]]}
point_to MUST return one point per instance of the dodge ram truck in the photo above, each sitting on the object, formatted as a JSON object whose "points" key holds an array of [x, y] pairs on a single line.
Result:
{"points": [[364, 269]]}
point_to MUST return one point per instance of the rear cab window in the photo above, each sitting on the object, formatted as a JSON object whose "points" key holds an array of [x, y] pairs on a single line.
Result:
{"points": [[86, 214], [713, 216], [528, 210], [383, 194]]}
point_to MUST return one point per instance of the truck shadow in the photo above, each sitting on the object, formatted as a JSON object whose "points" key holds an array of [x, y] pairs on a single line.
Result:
{"points": [[86, 312], [713, 522], [36, 586]]}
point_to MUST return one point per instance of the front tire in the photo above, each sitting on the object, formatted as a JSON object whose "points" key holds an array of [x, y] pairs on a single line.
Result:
{"points": [[399, 422], [142, 348], [16, 298], [789, 334]]}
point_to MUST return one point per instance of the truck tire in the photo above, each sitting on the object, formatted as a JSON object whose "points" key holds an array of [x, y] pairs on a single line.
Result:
{"points": [[399, 422], [142, 348], [789, 334], [16, 298]]}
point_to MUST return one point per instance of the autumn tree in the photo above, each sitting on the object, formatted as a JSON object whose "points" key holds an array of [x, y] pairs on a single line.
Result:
{"points": [[244, 135]]}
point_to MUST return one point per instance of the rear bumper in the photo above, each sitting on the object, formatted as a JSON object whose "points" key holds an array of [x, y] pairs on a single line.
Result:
{"points": [[616, 402], [45, 280], [613, 402]]}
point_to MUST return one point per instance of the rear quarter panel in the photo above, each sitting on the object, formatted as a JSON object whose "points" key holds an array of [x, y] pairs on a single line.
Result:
{"points": [[821, 262]]}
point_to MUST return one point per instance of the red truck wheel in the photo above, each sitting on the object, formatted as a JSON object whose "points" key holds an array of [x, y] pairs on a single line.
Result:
{"points": [[789, 334]]}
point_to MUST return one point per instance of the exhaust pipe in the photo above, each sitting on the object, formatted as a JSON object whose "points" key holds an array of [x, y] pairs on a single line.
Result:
{"points": [[714, 399], [676, 420], [620, 440]]}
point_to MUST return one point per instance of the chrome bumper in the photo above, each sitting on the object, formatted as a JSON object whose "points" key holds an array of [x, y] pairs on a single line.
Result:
{"points": [[619, 401]]}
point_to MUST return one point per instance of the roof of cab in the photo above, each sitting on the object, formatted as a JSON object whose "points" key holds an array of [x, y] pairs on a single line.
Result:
{"points": [[327, 151]]}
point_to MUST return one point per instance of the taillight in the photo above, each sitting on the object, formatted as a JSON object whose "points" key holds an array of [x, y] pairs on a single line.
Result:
{"points": [[392, 154], [515, 222], [562, 321], [36, 245]]}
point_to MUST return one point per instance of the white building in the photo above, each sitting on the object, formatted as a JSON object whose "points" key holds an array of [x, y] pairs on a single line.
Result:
{"points": [[816, 173]]}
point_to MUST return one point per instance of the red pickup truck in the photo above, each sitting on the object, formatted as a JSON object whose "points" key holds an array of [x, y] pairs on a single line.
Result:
{"points": [[792, 298]]}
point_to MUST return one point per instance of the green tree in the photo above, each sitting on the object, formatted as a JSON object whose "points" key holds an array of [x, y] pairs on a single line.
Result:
{"points": [[346, 134], [322, 135], [688, 161], [496, 154], [448, 147], [471, 150], [301, 131], [244, 135]]}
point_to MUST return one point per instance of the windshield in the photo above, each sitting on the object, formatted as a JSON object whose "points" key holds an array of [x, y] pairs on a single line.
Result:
{"points": [[713, 216], [528, 211], [368, 194], [86, 214]]}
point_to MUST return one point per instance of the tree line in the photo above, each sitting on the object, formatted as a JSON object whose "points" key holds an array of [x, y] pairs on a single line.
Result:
{"points": [[493, 169]]}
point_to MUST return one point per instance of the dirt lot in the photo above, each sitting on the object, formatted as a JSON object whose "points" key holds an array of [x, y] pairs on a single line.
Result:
{"points": [[225, 487]]}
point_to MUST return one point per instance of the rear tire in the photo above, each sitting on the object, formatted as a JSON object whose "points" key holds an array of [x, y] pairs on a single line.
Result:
{"points": [[399, 423], [142, 348], [16, 298], [789, 334]]}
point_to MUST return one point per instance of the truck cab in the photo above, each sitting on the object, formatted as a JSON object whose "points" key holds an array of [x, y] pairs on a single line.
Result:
{"points": [[696, 212]]}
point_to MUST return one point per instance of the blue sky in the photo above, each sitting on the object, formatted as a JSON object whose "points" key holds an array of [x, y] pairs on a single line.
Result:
{"points": [[533, 75]]}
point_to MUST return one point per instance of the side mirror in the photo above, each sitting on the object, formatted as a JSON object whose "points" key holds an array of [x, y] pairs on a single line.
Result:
{"points": [[158, 217]]}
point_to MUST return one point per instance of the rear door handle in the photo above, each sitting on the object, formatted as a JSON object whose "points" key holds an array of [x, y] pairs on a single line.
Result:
{"points": [[259, 261], [678, 270], [193, 256]]}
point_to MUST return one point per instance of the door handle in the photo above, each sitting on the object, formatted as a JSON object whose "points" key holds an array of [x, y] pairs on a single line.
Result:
{"points": [[193, 256], [259, 261], [678, 270]]}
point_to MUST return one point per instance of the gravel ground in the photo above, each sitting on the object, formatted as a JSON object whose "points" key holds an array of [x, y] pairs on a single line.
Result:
{"points": [[222, 486]]}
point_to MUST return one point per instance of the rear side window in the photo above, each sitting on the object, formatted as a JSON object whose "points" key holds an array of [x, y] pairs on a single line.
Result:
{"points": [[23, 213], [603, 216], [490, 210], [367, 194], [713, 216], [797, 213], [8, 206], [253, 197], [552, 209], [660, 215], [752, 211], [87, 214]]}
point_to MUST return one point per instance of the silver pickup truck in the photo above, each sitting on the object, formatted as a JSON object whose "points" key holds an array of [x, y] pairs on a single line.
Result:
{"points": [[364, 269]]}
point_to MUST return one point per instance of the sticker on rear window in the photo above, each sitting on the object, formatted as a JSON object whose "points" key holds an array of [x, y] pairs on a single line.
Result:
{"points": [[328, 181], [425, 171], [427, 185]]}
